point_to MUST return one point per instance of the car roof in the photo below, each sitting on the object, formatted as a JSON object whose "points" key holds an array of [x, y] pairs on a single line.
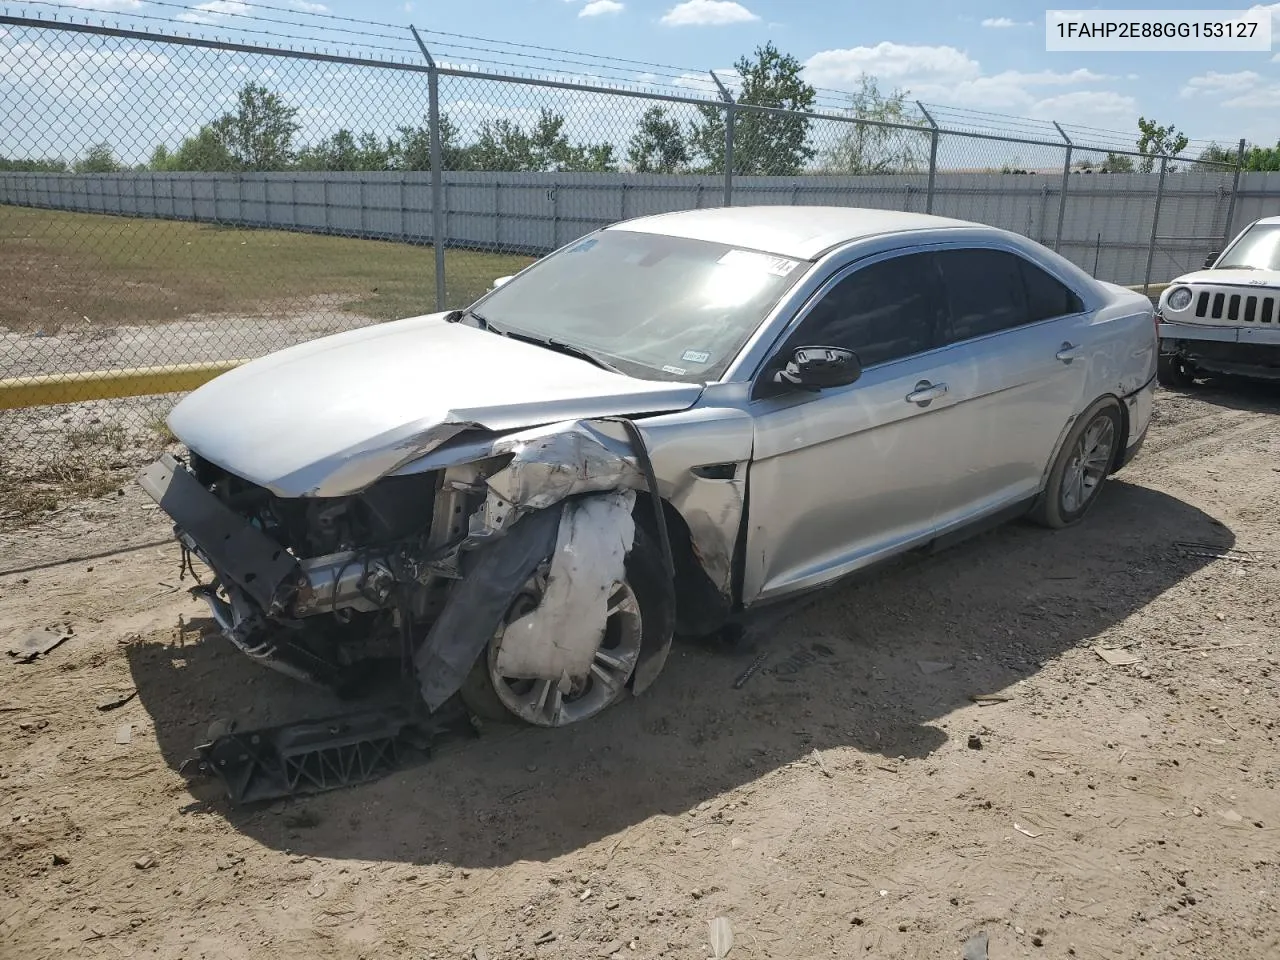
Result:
{"points": [[1269, 221], [803, 233]]}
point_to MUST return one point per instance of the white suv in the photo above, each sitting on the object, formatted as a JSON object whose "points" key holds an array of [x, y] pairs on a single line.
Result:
{"points": [[1225, 319]]}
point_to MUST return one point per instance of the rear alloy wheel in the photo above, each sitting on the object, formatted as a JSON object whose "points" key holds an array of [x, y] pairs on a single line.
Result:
{"points": [[636, 604], [1081, 467], [1173, 372]]}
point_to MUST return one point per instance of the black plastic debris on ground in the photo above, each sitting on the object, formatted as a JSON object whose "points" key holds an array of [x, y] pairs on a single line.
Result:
{"points": [[314, 756]]}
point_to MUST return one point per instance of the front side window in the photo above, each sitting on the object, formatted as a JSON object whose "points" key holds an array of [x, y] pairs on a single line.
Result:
{"points": [[882, 312], [654, 306], [988, 291], [1258, 249]]}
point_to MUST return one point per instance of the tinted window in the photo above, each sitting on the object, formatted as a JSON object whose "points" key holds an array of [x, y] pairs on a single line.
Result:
{"points": [[984, 291], [990, 290], [1046, 296], [882, 312]]}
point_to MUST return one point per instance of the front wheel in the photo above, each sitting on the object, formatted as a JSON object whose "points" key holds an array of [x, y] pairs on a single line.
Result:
{"points": [[638, 617], [1081, 467]]}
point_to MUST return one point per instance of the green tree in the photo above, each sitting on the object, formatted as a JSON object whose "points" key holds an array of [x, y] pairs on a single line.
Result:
{"points": [[345, 151], [763, 143], [99, 158], [410, 149], [865, 148], [1117, 163], [658, 144], [1263, 159], [44, 165], [506, 146], [1217, 154], [259, 134], [204, 152], [1156, 141]]}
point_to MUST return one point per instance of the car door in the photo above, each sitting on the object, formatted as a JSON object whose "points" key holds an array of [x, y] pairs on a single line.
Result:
{"points": [[847, 475], [1017, 357]]}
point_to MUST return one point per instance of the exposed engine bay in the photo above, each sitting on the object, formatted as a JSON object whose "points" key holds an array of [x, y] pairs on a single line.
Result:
{"points": [[529, 553]]}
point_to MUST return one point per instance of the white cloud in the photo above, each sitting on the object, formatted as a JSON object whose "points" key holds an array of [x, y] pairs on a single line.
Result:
{"points": [[889, 61], [1276, 58], [1087, 106], [407, 8], [1275, 12], [1213, 82], [214, 11], [598, 8], [707, 13], [103, 4], [1259, 98], [306, 7], [941, 74], [1004, 23]]}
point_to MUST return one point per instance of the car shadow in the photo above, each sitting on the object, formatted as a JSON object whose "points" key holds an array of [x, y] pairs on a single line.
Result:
{"points": [[853, 667], [1237, 393]]}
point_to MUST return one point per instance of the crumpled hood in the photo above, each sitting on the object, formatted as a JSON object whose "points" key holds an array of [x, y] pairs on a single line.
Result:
{"points": [[331, 416], [1229, 277]]}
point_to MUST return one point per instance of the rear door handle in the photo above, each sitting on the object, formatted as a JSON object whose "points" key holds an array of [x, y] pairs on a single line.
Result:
{"points": [[1067, 352], [925, 393]]}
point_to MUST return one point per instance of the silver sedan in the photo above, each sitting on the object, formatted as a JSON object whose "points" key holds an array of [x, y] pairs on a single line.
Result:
{"points": [[644, 434]]}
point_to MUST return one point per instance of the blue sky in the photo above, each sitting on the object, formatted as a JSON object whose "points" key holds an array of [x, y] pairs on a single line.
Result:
{"points": [[983, 54], [980, 55]]}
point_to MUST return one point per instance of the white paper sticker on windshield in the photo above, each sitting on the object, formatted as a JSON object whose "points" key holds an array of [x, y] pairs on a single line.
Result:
{"points": [[695, 356], [749, 260], [678, 371]]}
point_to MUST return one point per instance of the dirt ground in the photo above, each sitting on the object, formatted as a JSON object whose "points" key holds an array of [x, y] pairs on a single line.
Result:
{"points": [[836, 805]]}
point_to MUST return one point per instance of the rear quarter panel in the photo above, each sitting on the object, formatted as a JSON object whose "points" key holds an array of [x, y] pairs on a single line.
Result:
{"points": [[1122, 355]]}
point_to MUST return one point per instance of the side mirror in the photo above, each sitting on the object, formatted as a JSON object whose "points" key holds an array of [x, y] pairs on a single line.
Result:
{"points": [[1208, 261], [499, 282], [817, 368]]}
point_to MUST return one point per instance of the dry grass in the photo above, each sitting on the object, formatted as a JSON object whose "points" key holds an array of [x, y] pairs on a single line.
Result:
{"points": [[60, 268]]}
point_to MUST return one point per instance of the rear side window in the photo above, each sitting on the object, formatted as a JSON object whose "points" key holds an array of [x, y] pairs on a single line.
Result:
{"points": [[882, 312], [1047, 297], [992, 290]]}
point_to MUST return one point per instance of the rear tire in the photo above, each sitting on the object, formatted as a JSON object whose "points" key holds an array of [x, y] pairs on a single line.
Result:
{"points": [[1087, 457], [644, 573], [1173, 373]]}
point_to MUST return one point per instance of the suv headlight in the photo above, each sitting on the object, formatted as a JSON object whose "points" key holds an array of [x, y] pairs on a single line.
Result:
{"points": [[1179, 299]]}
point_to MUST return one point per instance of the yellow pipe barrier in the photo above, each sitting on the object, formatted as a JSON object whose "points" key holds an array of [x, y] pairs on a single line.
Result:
{"points": [[108, 384]]}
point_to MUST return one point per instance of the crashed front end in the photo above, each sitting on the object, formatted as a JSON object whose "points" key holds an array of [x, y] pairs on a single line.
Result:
{"points": [[1222, 321], [421, 569]]}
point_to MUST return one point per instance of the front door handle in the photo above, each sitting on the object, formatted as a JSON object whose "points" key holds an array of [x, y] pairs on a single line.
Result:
{"points": [[925, 393], [1067, 352]]}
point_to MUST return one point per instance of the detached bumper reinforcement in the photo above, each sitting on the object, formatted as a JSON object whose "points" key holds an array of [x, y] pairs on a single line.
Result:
{"points": [[311, 756], [236, 549]]}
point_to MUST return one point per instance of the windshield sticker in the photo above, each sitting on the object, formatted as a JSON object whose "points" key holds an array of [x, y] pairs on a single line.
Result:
{"points": [[775, 266], [695, 356], [678, 371]]}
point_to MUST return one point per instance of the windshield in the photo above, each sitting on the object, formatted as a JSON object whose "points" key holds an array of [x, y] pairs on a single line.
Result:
{"points": [[656, 307], [1258, 249]]}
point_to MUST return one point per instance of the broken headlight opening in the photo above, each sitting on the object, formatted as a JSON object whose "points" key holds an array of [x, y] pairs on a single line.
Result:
{"points": [[527, 580]]}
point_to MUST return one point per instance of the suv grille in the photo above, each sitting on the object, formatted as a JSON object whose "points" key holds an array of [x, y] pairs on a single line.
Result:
{"points": [[1237, 307]]}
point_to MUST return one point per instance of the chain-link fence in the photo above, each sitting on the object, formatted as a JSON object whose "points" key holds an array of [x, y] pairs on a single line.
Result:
{"points": [[171, 206]]}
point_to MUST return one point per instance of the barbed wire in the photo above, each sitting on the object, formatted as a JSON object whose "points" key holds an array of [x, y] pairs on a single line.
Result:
{"points": [[507, 56]]}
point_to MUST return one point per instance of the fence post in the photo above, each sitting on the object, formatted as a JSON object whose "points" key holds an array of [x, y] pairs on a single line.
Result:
{"points": [[933, 156], [729, 117], [1155, 226], [1066, 183], [1235, 190], [437, 174]]}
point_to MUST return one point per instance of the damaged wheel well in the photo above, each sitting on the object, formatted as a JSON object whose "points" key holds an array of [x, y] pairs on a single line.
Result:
{"points": [[700, 607]]}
